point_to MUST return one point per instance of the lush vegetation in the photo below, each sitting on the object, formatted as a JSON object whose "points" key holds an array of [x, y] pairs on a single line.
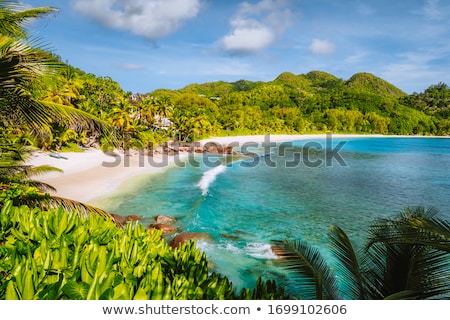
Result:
{"points": [[307, 103], [312, 102], [54, 248], [57, 254]]}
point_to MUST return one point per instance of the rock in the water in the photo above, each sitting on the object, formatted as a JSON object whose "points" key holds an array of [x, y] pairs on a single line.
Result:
{"points": [[187, 236], [133, 217], [165, 228], [164, 219]]}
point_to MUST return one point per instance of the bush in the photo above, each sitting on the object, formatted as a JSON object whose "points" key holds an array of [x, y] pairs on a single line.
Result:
{"points": [[56, 254]]}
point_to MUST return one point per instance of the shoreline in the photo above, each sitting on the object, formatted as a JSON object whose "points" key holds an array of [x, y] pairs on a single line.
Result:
{"points": [[92, 174]]}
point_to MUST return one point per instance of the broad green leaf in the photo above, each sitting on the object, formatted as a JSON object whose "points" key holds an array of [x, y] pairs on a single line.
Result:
{"points": [[76, 290]]}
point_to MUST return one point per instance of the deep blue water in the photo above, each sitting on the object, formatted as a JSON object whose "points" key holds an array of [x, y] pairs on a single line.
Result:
{"points": [[244, 206]]}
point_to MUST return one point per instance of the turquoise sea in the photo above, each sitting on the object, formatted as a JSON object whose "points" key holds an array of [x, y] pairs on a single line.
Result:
{"points": [[295, 191]]}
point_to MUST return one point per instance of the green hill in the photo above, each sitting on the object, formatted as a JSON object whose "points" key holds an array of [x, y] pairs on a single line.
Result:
{"points": [[320, 79], [316, 102], [368, 83]]}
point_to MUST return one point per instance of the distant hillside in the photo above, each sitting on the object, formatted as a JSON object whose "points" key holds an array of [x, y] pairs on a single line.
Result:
{"points": [[368, 83], [312, 82], [434, 101], [317, 102]]}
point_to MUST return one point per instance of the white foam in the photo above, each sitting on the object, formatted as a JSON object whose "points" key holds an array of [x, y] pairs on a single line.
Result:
{"points": [[260, 250], [209, 177], [253, 249]]}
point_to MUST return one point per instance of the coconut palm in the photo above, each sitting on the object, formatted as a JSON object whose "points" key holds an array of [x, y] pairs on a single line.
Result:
{"points": [[406, 257], [23, 67], [147, 111], [163, 110]]}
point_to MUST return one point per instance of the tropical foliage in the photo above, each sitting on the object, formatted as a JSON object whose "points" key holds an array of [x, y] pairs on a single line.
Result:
{"points": [[57, 254], [406, 257], [25, 119]]}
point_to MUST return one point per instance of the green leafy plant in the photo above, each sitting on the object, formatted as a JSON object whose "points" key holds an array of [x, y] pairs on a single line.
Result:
{"points": [[55, 254]]}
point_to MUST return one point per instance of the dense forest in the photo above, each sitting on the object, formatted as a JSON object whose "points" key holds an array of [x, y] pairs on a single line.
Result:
{"points": [[56, 248], [305, 103]]}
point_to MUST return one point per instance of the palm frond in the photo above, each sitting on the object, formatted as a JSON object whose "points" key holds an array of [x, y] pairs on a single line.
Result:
{"points": [[316, 278], [433, 232], [430, 276], [23, 173], [409, 253], [14, 15], [41, 186], [46, 201], [77, 119], [349, 267], [416, 225]]}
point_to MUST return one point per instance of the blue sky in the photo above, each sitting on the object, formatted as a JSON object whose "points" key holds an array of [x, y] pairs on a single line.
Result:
{"points": [[149, 44]]}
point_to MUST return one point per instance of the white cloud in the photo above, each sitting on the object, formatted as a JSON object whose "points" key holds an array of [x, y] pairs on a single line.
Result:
{"points": [[414, 71], [248, 36], [322, 47], [256, 26], [130, 66], [152, 19]]}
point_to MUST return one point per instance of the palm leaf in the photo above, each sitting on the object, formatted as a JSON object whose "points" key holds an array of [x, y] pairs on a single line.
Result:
{"points": [[316, 278], [41, 186], [409, 254], [45, 202], [349, 267], [433, 232], [22, 65], [14, 15]]}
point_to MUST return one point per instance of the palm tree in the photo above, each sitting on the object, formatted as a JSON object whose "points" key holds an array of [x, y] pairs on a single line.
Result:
{"points": [[23, 67], [406, 257], [147, 111], [164, 109]]}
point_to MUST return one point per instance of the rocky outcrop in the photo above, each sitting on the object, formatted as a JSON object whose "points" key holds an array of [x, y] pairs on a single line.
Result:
{"points": [[187, 236], [212, 147], [194, 147]]}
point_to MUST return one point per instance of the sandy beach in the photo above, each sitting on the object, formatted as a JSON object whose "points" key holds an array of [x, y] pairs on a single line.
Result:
{"points": [[91, 174]]}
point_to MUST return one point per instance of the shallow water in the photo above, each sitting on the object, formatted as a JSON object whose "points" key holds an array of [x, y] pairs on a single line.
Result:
{"points": [[244, 206]]}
